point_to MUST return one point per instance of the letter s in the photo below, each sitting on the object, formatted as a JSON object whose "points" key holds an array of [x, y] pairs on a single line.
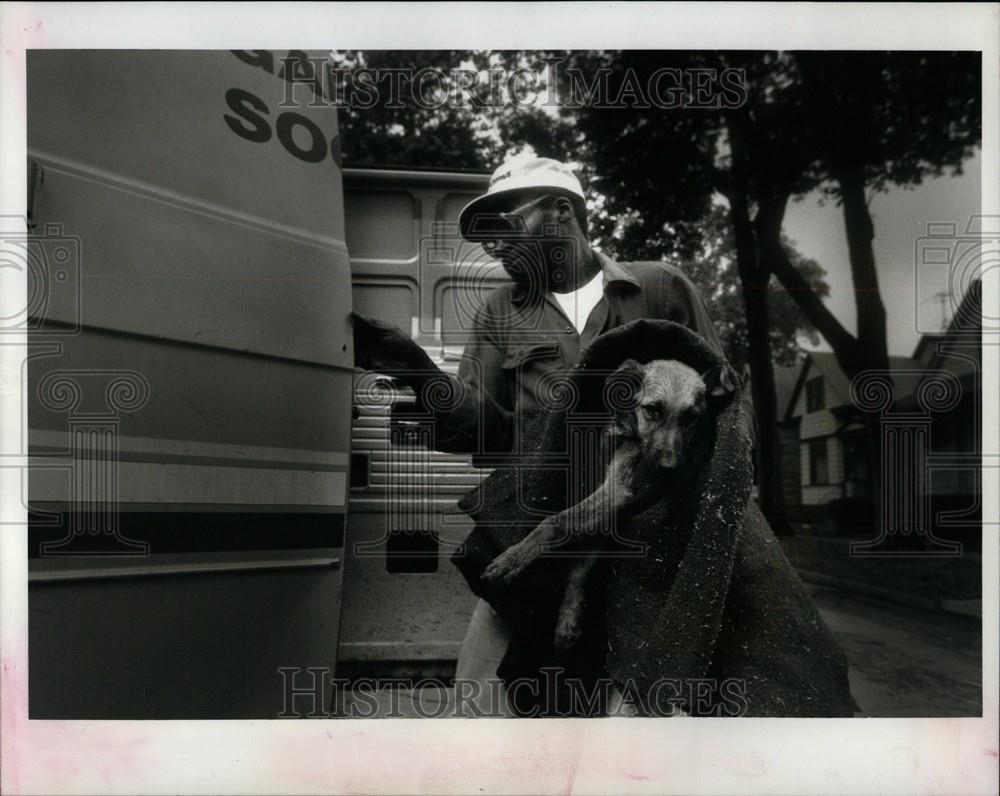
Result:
{"points": [[734, 698], [733, 82], [249, 125]]}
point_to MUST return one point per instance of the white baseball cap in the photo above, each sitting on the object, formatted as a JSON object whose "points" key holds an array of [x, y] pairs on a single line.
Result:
{"points": [[519, 174]]}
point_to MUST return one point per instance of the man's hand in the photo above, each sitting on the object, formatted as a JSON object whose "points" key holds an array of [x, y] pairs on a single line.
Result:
{"points": [[384, 348]]}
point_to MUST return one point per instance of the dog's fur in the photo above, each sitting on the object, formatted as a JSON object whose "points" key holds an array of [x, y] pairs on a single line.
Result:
{"points": [[662, 440]]}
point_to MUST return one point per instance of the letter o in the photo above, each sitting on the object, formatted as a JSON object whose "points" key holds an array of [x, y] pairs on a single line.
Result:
{"points": [[286, 123]]}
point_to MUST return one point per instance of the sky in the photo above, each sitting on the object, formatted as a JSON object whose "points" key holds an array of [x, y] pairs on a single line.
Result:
{"points": [[907, 282]]}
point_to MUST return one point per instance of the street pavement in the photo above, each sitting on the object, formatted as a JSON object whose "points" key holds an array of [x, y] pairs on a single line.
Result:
{"points": [[906, 662]]}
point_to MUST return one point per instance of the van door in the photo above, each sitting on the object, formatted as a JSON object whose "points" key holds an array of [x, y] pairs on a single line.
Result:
{"points": [[406, 606], [189, 385]]}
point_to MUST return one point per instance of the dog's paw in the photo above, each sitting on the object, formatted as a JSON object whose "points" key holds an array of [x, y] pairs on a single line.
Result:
{"points": [[507, 566], [568, 631]]}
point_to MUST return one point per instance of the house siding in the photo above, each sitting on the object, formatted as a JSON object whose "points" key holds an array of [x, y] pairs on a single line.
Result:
{"points": [[799, 407], [817, 424], [817, 494]]}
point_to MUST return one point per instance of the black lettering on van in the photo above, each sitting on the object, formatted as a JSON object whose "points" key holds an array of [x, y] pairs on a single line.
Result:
{"points": [[286, 123], [249, 125], [262, 58]]}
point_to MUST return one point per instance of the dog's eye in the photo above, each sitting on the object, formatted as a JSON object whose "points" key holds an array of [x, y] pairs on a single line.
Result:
{"points": [[651, 412]]}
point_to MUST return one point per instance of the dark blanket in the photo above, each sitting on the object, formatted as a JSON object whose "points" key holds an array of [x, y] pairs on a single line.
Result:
{"points": [[695, 604]]}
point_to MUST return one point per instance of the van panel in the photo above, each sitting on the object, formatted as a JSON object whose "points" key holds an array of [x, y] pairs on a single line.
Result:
{"points": [[159, 118], [193, 274]]}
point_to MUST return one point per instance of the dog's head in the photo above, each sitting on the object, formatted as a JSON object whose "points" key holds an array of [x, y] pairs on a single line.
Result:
{"points": [[670, 404]]}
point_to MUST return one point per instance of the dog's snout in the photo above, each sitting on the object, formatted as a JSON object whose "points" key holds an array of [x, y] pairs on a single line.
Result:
{"points": [[668, 461], [668, 445]]}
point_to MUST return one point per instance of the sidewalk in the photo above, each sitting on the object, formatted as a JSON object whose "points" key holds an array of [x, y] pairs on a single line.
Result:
{"points": [[952, 584], [906, 662], [971, 607]]}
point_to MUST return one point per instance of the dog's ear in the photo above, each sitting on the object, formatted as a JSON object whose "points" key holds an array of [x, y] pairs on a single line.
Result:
{"points": [[621, 396], [720, 384]]}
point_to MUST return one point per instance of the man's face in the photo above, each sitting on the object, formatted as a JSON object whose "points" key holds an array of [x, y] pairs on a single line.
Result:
{"points": [[524, 238]]}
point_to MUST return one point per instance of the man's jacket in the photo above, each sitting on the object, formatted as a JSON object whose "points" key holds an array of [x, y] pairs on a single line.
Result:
{"points": [[523, 347]]}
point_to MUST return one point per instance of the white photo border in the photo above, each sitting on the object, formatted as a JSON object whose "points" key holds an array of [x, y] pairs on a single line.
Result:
{"points": [[886, 756]]}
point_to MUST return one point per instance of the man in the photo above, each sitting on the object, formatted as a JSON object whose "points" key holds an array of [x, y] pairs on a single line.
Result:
{"points": [[562, 295]]}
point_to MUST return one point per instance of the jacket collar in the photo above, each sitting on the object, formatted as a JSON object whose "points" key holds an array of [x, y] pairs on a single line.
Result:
{"points": [[614, 273]]}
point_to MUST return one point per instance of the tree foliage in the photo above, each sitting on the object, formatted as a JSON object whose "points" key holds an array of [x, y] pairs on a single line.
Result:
{"points": [[900, 116], [383, 122], [653, 174]]}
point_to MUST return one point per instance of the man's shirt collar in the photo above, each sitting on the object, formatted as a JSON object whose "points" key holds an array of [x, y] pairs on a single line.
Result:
{"points": [[614, 273]]}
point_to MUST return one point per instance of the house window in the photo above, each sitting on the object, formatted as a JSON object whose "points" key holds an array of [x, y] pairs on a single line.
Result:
{"points": [[814, 394], [855, 458], [819, 469]]}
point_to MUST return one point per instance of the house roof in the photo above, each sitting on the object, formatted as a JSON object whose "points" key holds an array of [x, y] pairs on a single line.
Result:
{"points": [[836, 383], [968, 317], [906, 374], [964, 330], [967, 321], [784, 385], [785, 377]]}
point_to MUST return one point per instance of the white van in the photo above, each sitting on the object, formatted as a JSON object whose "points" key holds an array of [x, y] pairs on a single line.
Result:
{"points": [[189, 383]]}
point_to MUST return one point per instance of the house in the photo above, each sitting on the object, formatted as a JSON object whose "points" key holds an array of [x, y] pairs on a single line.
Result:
{"points": [[831, 430], [832, 434], [955, 433]]}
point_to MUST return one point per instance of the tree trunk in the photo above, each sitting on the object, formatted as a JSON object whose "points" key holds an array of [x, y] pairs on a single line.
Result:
{"points": [[845, 346], [867, 299], [872, 336], [851, 126], [754, 281]]}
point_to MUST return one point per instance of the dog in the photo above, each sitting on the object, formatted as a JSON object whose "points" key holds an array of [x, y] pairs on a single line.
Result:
{"points": [[662, 433]]}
